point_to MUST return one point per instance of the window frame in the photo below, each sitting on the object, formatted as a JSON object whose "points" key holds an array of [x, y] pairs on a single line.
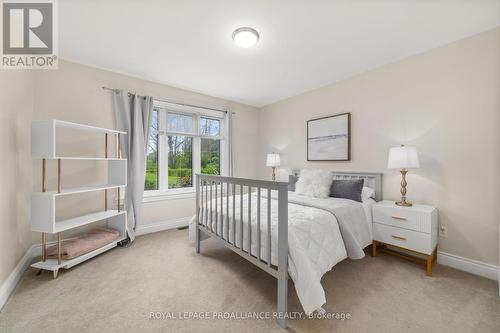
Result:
{"points": [[164, 108]]}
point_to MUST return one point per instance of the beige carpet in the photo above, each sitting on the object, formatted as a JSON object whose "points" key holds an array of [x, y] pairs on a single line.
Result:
{"points": [[116, 292]]}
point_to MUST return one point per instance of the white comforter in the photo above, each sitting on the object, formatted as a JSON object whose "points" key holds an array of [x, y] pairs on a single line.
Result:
{"points": [[314, 240]]}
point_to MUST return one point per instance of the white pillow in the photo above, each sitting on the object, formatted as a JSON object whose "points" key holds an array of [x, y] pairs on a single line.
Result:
{"points": [[367, 193], [314, 183]]}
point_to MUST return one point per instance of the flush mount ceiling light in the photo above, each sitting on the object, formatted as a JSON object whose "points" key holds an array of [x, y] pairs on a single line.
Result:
{"points": [[245, 37]]}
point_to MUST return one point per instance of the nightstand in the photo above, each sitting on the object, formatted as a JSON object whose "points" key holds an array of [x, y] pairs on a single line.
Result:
{"points": [[411, 229]]}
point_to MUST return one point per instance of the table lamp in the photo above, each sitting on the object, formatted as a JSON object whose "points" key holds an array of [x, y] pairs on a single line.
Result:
{"points": [[273, 160], [403, 158]]}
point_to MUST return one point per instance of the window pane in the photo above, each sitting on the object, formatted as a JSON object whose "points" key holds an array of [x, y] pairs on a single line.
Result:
{"points": [[180, 161], [209, 126], [179, 123], [210, 156], [151, 182]]}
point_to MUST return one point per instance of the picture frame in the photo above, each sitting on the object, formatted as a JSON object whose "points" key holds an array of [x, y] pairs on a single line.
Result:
{"points": [[329, 138]]}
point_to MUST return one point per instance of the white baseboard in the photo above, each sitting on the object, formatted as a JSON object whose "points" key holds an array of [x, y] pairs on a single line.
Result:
{"points": [[10, 284], [469, 265], [160, 226]]}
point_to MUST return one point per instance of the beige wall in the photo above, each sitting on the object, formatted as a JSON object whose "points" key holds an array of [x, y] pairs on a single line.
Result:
{"points": [[16, 112], [445, 102], [73, 93]]}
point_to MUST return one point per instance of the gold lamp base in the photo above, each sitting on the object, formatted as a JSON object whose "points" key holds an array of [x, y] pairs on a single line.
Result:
{"points": [[403, 202]]}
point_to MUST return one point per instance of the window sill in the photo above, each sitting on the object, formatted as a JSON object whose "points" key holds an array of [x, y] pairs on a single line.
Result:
{"points": [[154, 196]]}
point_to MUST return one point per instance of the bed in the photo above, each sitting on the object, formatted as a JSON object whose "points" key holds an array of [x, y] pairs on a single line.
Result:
{"points": [[307, 237]]}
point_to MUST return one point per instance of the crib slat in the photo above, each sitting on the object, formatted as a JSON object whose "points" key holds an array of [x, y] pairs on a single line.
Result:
{"points": [[203, 189], [211, 215], [241, 217], [202, 192], [227, 212], [200, 208], [206, 203], [269, 227], [258, 222], [222, 210], [216, 204], [249, 236], [234, 214]]}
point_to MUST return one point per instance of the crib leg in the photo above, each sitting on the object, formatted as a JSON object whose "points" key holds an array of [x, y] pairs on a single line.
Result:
{"points": [[282, 299], [198, 209], [197, 238], [282, 257]]}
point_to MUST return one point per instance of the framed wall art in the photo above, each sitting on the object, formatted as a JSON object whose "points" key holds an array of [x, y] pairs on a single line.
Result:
{"points": [[329, 138]]}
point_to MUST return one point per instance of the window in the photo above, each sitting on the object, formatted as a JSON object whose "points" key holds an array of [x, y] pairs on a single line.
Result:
{"points": [[180, 161], [151, 182], [181, 144], [179, 123], [210, 146]]}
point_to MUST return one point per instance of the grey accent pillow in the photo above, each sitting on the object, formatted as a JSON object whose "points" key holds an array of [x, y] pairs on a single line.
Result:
{"points": [[292, 180], [347, 189]]}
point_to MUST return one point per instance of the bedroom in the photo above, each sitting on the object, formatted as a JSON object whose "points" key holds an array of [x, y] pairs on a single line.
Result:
{"points": [[331, 94]]}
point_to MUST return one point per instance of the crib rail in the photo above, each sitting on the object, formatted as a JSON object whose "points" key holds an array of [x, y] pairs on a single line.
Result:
{"points": [[217, 198]]}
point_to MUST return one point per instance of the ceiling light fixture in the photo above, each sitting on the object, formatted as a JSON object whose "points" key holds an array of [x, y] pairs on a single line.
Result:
{"points": [[245, 37]]}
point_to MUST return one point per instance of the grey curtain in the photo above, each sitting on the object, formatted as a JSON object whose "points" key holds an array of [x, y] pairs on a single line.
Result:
{"points": [[133, 114]]}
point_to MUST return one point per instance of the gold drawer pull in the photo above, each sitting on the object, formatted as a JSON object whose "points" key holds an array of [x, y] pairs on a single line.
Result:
{"points": [[398, 237], [399, 218]]}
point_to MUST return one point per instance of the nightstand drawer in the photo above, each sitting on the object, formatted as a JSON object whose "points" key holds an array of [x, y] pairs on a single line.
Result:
{"points": [[403, 217], [407, 239]]}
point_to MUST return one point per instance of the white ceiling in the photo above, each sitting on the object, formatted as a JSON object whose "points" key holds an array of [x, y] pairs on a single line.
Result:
{"points": [[303, 45]]}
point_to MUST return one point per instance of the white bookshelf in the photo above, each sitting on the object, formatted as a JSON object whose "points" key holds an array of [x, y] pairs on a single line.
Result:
{"points": [[44, 138], [44, 203]]}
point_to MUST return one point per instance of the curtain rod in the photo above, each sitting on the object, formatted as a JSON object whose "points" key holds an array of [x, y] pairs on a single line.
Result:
{"points": [[166, 100]]}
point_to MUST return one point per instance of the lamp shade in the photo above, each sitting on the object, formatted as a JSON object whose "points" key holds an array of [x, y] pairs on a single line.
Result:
{"points": [[273, 160], [403, 158]]}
